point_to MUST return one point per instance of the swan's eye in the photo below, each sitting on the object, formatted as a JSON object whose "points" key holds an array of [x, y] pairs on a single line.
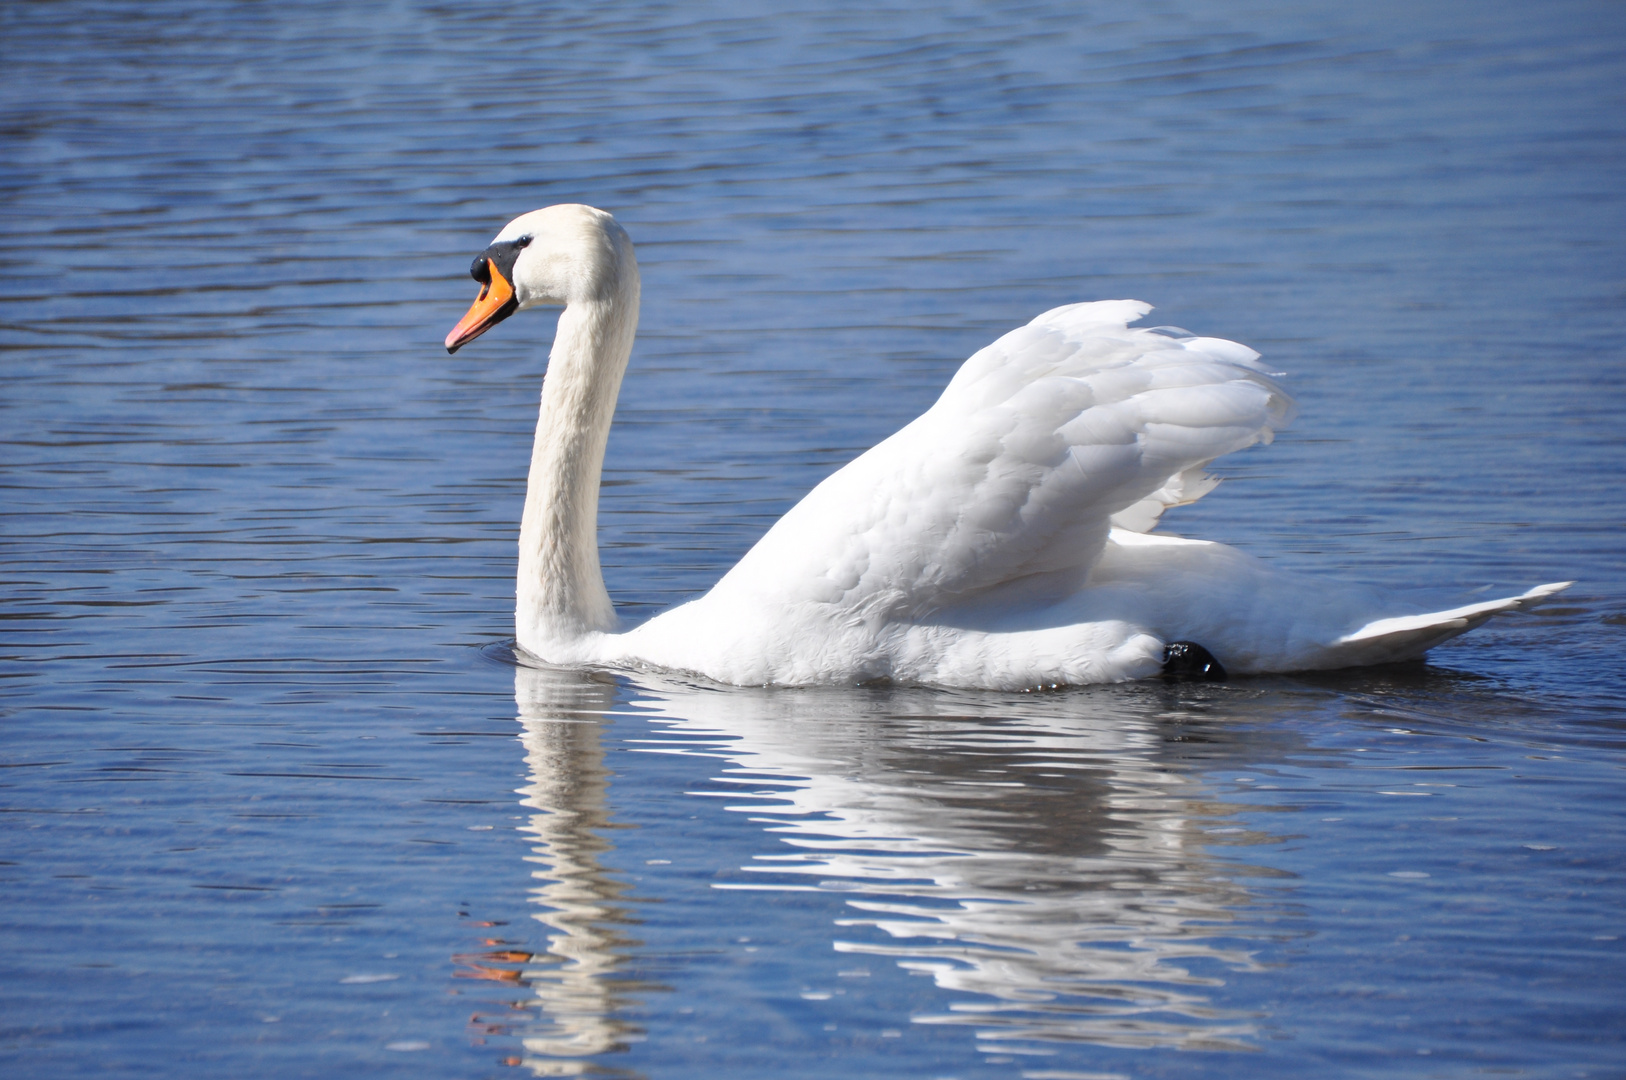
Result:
{"points": [[522, 242], [480, 270]]}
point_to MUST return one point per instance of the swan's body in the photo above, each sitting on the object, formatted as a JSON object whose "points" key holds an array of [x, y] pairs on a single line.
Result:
{"points": [[999, 541]]}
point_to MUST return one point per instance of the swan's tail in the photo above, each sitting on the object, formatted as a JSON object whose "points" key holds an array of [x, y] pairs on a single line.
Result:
{"points": [[1407, 637]]}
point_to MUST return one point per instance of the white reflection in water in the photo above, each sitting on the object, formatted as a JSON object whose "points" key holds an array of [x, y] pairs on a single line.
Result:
{"points": [[1050, 869], [560, 713]]}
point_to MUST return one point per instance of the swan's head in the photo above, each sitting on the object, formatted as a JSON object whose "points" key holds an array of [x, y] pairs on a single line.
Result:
{"points": [[562, 254]]}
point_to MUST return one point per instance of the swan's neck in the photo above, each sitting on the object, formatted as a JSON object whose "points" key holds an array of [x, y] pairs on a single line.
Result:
{"points": [[560, 592]]}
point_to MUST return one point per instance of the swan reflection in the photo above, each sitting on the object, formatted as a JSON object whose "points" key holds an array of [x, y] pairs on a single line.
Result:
{"points": [[1045, 862], [575, 996]]}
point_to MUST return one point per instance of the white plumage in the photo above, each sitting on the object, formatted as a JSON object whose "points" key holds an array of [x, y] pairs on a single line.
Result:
{"points": [[1000, 540]]}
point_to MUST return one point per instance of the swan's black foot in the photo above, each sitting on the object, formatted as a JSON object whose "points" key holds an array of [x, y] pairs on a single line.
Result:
{"points": [[1187, 661]]}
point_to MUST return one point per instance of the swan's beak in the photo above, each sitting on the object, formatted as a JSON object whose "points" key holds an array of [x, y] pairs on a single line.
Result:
{"points": [[494, 304]]}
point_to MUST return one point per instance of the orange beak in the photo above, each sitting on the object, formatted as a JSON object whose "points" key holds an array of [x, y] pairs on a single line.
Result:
{"points": [[494, 304]]}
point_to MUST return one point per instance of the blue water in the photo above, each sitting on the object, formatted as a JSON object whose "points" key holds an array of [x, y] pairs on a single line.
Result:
{"points": [[277, 802]]}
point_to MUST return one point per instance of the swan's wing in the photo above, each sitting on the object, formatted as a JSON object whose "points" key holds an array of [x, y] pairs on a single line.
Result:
{"points": [[1037, 443]]}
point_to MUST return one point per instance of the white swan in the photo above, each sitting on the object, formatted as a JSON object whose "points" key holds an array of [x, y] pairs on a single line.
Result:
{"points": [[998, 541]]}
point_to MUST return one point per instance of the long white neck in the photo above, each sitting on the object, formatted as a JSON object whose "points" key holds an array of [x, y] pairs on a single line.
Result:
{"points": [[560, 592]]}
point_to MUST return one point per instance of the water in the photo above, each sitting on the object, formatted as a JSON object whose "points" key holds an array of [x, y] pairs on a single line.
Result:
{"points": [[277, 804]]}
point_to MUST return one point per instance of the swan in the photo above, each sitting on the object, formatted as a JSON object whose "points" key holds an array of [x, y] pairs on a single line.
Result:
{"points": [[1000, 541]]}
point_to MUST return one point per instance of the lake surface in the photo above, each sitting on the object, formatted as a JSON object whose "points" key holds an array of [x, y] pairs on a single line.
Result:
{"points": [[278, 803]]}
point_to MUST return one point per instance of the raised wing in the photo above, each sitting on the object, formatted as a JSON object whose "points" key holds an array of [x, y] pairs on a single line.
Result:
{"points": [[1013, 478]]}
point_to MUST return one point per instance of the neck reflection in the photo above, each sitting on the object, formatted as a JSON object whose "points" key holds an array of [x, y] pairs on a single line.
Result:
{"points": [[576, 993]]}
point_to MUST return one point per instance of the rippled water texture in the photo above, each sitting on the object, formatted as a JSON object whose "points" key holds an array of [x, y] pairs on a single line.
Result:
{"points": [[277, 802]]}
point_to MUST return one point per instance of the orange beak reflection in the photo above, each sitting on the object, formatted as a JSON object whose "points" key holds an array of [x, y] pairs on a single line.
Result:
{"points": [[494, 304]]}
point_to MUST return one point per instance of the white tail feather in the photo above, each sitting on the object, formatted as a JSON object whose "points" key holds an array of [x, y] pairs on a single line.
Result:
{"points": [[1408, 636]]}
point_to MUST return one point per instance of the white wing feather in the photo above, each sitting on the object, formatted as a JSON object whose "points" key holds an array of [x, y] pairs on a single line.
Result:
{"points": [[1019, 468]]}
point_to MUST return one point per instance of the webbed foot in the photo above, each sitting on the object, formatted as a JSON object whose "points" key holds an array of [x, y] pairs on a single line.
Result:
{"points": [[1187, 661]]}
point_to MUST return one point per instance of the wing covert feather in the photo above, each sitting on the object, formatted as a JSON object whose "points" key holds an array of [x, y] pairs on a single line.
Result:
{"points": [[1040, 443]]}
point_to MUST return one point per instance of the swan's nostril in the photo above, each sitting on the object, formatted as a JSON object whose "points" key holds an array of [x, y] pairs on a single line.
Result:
{"points": [[480, 270]]}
